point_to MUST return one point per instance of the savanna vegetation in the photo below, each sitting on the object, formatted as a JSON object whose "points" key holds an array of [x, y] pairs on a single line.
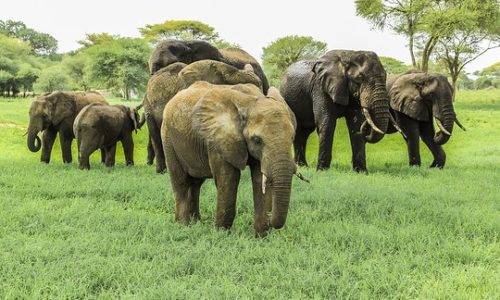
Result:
{"points": [[398, 232]]}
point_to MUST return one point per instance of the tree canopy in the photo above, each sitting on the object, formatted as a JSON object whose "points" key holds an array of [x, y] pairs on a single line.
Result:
{"points": [[42, 44], [183, 30], [283, 52]]}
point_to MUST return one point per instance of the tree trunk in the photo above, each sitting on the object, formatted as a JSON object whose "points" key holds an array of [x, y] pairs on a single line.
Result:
{"points": [[412, 55]]}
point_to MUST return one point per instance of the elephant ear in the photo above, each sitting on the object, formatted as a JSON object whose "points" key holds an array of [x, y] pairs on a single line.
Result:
{"points": [[64, 107], [405, 97], [332, 79], [220, 122], [275, 94]]}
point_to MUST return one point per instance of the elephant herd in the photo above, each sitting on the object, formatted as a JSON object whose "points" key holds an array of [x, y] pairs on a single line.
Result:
{"points": [[211, 112]]}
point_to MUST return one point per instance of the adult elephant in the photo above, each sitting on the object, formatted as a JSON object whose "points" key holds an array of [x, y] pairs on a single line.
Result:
{"points": [[416, 98], [215, 131], [165, 83], [170, 51], [342, 83], [53, 113]]}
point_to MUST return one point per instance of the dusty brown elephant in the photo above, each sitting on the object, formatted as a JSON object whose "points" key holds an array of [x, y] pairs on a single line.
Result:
{"points": [[212, 131], [416, 98], [171, 51], [99, 126], [165, 83], [55, 113]]}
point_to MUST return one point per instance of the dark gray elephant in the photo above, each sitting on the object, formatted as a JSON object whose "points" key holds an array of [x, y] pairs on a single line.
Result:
{"points": [[165, 84], [54, 113], [170, 51], [100, 126], [342, 83], [415, 99]]}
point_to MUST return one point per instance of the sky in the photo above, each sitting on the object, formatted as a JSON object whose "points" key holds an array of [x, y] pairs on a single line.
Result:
{"points": [[251, 24]]}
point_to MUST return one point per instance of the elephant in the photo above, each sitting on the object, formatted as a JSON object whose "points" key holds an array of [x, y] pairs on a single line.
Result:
{"points": [[212, 131], [99, 126], [54, 113], [415, 99], [165, 83], [170, 51], [341, 83]]}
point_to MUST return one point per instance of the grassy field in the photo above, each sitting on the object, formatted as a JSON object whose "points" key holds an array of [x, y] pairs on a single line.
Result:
{"points": [[397, 233]]}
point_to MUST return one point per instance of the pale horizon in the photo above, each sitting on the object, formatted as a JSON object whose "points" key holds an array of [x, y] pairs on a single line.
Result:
{"points": [[252, 27]]}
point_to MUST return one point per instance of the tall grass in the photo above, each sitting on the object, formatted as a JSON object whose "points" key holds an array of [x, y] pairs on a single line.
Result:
{"points": [[399, 232]]}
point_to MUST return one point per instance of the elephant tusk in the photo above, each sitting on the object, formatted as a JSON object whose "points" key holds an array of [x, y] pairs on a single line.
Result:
{"points": [[370, 121], [440, 125], [301, 177], [25, 133], [264, 183], [459, 124], [391, 118]]}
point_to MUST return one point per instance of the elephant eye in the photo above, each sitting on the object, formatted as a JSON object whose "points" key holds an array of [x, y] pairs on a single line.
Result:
{"points": [[256, 140]]}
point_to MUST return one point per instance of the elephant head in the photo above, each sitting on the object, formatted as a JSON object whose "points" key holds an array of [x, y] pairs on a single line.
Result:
{"points": [[217, 72], [238, 124], [423, 96], [170, 51], [346, 76], [48, 110]]}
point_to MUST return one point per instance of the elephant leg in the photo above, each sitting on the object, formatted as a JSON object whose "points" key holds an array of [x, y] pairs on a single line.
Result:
{"points": [[300, 143], [48, 138], [427, 135], [103, 155], [110, 155], [194, 198], [227, 179], [154, 134], [326, 129], [262, 202], [128, 149], [151, 152], [83, 160], [412, 131], [66, 140], [354, 120]]}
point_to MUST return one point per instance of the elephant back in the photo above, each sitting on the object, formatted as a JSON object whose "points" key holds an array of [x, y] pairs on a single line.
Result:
{"points": [[239, 58]]}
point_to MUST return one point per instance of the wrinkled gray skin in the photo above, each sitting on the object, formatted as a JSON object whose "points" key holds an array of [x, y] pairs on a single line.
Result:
{"points": [[54, 113], [340, 84], [416, 98], [171, 51], [212, 131], [165, 83], [100, 126]]}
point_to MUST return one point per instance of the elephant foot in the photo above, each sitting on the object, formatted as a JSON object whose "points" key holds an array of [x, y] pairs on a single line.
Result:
{"points": [[301, 163], [435, 164], [161, 170], [322, 167], [361, 170], [45, 161], [149, 162]]}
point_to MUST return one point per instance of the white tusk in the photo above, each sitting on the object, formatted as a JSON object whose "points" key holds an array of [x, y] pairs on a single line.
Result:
{"points": [[301, 177], [391, 118], [440, 125], [370, 121], [264, 183], [460, 124]]}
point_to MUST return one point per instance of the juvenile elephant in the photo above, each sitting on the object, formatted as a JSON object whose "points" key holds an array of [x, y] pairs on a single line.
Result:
{"points": [[54, 113], [212, 131], [342, 83], [170, 51], [100, 126], [416, 98], [165, 83]]}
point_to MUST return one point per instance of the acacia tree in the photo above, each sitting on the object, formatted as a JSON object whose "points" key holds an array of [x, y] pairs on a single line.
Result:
{"points": [[183, 30], [92, 39], [427, 22], [283, 52], [42, 44]]}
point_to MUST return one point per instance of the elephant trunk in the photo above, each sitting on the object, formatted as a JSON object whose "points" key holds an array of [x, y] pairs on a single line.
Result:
{"points": [[376, 111], [281, 175], [34, 142], [445, 124]]}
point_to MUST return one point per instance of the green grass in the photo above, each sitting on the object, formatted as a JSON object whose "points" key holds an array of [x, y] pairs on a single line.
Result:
{"points": [[398, 233]]}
